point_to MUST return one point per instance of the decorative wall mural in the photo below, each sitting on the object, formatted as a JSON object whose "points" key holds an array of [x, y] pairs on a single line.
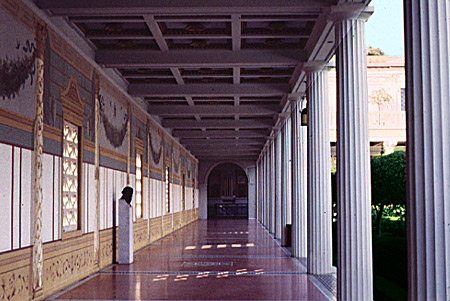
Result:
{"points": [[189, 168], [176, 159], [15, 71], [114, 118], [17, 67], [155, 146]]}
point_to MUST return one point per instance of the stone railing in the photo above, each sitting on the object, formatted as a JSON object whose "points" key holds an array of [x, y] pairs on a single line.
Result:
{"points": [[379, 120]]}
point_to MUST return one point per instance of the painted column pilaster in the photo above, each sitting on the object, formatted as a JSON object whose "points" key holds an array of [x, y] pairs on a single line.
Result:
{"points": [[427, 50], [38, 130], [319, 246], [354, 277], [97, 172]]}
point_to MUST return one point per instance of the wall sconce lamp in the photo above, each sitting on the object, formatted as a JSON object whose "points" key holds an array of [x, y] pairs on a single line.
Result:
{"points": [[304, 117]]}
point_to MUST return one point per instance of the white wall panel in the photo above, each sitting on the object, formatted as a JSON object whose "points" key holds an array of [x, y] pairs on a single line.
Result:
{"points": [[16, 197], [120, 183], [57, 186], [26, 212], [102, 204], [145, 199], [91, 197], [110, 197], [85, 198], [5, 196], [47, 198]]}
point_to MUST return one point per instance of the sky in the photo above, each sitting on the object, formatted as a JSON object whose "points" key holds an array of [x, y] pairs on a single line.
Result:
{"points": [[384, 29]]}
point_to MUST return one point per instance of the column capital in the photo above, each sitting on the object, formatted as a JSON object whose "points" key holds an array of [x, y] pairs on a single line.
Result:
{"points": [[315, 66], [348, 11]]}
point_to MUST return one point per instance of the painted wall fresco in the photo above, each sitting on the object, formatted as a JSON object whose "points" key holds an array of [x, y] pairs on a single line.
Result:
{"points": [[17, 67], [176, 160], [113, 123], [156, 147], [138, 130]]}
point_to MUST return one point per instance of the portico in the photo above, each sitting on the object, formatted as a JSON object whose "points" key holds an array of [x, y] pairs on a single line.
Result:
{"points": [[156, 95]]}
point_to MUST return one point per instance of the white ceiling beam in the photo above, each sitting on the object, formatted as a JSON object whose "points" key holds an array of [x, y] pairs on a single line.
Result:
{"points": [[181, 7], [220, 134], [216, 124], [213, 142], [214, 110], [171, 90], [156, 32], [198, 58]]}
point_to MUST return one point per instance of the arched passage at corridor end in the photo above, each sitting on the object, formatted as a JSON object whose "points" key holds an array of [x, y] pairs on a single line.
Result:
{"points": [[227, 192]]}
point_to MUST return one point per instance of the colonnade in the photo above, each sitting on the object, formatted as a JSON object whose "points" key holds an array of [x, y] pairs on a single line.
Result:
{"points": [[302, 160]]}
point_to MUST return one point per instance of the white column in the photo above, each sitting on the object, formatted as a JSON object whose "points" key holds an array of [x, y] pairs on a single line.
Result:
{"points": [[283, 185], [354, 278], [297, 215], [319, 255], [273, 188], [278, 227], [427, 48], [266, 188], [302, 182]]}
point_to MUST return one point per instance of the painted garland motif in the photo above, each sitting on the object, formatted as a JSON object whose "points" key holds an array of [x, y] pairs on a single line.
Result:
{"points": [[156, 154], [176, 160], [15, 72], [189, 166], [114, 135]]}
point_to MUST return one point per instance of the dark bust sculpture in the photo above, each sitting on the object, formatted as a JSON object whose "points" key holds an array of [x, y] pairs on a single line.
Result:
{"points": [[127, 194]]}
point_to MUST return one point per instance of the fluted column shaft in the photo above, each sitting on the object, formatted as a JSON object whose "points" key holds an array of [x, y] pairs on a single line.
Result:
{"points": [[302, 194], [266, 203], [272, 188], [354, 279], [283, 186], [299, 207], [319, 254], [278, 227], [294, 171], [427, 32]]}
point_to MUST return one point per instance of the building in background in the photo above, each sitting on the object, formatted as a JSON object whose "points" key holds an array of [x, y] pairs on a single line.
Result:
{"points": [[386, 90]]}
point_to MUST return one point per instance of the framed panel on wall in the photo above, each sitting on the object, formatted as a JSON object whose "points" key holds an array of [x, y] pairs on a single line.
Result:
{"points": [[72, 157]]}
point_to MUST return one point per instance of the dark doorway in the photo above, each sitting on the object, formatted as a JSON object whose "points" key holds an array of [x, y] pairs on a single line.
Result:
{"points": [[227, 192]]}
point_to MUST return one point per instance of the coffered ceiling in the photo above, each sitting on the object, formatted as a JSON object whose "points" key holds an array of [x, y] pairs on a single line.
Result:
{"points": [[218, 73]]}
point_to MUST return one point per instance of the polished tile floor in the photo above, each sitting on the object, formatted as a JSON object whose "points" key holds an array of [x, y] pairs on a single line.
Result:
{"points": [[206, 260]]}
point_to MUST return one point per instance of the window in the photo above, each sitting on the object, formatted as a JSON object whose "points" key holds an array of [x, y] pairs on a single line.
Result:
{"points": [[70, 177], [72, 154], [167, 189], [138, 197]]}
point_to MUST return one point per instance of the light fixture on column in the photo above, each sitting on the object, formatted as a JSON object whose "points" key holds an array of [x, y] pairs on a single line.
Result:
{"points": [[304, 117]]}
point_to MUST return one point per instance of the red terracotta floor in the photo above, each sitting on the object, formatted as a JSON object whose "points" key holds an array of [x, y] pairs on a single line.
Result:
{"points": [[206, 260]]}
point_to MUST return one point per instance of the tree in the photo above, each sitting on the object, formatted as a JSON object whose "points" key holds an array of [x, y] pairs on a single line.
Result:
{"points": [[388, 183], [374, 51], [380, 97]]}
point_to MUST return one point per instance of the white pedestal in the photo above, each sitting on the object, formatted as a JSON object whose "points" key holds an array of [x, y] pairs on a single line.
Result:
{"points": [[125, 233]]}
